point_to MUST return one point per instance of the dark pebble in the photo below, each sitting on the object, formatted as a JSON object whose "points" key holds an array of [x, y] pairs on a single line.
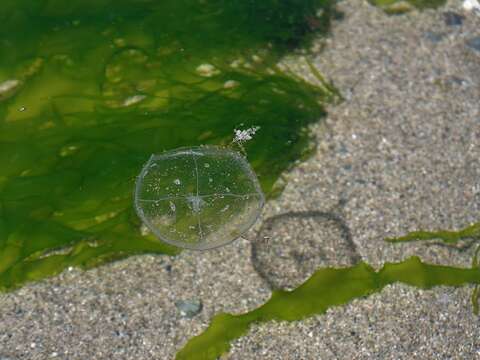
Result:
{"points": [[453, 19], [433, 36], [474, 43], [455, 80]]}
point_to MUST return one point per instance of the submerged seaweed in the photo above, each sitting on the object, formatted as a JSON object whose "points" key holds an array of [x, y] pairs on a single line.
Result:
{"points": [[326, 288], [90, 89], [451, 238], [329, 287], [403, 6], [448, 237]]}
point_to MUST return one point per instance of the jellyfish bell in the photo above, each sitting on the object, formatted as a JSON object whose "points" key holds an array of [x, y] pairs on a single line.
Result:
{"points": [[199, 197]]}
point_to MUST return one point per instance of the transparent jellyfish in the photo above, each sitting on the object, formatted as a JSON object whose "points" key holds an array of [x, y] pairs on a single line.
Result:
{"points": [[198, 198]]}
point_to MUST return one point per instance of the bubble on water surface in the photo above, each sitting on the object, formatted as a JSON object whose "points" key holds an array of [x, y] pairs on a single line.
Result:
{"points": [[216, 196]]}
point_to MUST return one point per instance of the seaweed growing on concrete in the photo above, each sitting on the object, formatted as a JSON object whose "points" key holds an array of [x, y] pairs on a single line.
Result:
{"points": [[403, 6], [90, 89], [326, 288]]}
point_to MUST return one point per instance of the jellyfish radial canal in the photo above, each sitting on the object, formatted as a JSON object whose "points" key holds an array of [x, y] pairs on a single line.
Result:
{"points": [[195, 202]]}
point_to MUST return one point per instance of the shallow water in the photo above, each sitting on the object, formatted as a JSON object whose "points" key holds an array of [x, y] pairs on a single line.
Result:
{"points": [[90, 89]]}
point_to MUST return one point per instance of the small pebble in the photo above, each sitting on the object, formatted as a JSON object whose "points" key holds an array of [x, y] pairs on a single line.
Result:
{"points": [[455, 80], [189, 308], [453, 19], [433, 36], [474, 43]]}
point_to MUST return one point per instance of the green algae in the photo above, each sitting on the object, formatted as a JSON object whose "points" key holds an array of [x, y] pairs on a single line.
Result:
{"points": [[329, 287], [90, 89], [326, 288], [476, 291], [402, 6], [450, 238]]}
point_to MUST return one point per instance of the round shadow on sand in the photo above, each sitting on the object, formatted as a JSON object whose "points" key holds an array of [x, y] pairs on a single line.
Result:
{"points": [[290, 247]]}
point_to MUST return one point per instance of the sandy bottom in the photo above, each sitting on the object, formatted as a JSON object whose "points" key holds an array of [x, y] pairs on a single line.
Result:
{"points": [[401, 153]]}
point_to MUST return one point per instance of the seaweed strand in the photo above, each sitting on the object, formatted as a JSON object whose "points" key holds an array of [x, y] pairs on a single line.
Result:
{"points": [[326, 288]]}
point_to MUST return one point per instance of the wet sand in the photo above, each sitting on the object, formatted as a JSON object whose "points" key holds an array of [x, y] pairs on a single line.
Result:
{"points": [[401, 153]]}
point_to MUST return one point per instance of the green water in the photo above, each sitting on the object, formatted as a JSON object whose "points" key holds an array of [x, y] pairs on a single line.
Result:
{"points": [[90, 89]]}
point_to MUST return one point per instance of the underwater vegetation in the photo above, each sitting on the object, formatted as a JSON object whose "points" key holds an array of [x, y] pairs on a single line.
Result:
{"points": [[403, 6], [329, 287], [90, 89], [448, 237], [452, 238]]}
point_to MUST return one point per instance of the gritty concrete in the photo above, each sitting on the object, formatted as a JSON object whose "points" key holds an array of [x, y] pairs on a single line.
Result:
{"points": [[401, 153]]}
